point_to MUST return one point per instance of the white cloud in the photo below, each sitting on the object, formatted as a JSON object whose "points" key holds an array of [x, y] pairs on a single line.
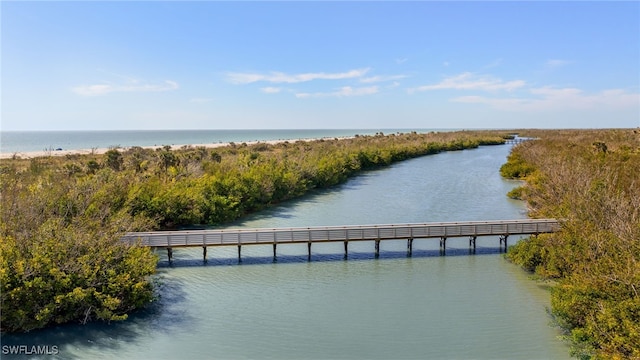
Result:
{"points": [[498, 103], [271, 90], [374, 79], [93, 90], [280, 77], [551, 91], [130, 86], [470, 81], [401, 60], [549, 98], [342, 92]]}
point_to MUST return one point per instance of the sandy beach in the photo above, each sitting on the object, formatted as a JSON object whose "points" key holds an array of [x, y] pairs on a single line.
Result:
{"points": [[35, 154]]}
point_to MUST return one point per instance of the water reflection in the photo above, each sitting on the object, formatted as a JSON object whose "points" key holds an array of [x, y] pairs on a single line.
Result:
{"points": [[186, 260], [165, 315]]}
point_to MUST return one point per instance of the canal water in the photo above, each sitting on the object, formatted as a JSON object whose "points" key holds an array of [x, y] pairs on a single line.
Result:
{"points": [[427, 306]]}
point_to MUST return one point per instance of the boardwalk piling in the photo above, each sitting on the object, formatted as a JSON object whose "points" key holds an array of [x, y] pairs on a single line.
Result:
{"points": [[309, 251], [409, 246], [239, 252], [204, 253], [274, 250], [377, 247], [169, 253], [503, 239], [472, 244], [346, 249]]}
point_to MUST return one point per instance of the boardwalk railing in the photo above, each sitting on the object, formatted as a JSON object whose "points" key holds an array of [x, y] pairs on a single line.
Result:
{"points": [[517, 140], [309, 235]]}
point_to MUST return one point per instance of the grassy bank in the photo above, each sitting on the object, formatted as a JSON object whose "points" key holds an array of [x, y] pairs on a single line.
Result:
{"points": [[591, 180], [62, 217]]}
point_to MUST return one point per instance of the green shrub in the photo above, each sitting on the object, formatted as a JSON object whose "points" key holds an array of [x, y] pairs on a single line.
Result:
{"points": [[595, 257]]}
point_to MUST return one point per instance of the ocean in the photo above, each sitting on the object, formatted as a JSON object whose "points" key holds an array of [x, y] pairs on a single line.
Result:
{"points": [[30, 141]]}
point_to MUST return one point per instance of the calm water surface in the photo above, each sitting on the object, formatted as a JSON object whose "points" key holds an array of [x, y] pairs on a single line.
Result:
{"points": [[457, 306]]}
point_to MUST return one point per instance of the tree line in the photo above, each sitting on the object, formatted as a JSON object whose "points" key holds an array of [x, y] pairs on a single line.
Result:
{"points": [[61, 218], [590, 180]]}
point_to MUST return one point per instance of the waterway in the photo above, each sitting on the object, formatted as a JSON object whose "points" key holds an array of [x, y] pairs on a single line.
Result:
{"points": [[426, 306]]}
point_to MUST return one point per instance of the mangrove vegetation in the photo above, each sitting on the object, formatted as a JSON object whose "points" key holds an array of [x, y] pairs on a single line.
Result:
{"points": [[61, 217], [590, 180]]}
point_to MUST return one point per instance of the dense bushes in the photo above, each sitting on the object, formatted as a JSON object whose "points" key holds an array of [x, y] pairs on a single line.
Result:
{"points": [[590, 180], [62, 217], [204, 186], [516, 167], [60, 258]]}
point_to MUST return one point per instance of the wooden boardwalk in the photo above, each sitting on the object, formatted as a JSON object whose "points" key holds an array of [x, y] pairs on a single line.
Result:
{"points": [[319, 234], [517, 140]]}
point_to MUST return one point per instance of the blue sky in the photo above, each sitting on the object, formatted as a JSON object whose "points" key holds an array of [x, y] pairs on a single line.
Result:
{"points": [[253, 65]]}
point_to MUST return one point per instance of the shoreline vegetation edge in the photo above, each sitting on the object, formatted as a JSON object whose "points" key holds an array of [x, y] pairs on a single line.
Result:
{"points": [[102, 151]]}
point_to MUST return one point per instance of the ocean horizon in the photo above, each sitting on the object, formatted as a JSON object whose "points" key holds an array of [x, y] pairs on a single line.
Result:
{"points": [[32, 141]]}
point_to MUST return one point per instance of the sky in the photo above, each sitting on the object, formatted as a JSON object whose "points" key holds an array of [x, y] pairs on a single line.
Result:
{"points": [[121, 65]]}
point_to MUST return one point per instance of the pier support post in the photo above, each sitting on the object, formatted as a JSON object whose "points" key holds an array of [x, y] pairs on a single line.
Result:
{"points": [[409, 246], [309, 251], [204, 253], [472, 244], [274, 251], [443, 245], [170, 253], [239, 252], [472, 241], [377, 248], [346, 249], [503, 239]]}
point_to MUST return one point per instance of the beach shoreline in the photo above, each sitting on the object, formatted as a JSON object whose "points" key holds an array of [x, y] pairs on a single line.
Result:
{"points": [[100, 151]]}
